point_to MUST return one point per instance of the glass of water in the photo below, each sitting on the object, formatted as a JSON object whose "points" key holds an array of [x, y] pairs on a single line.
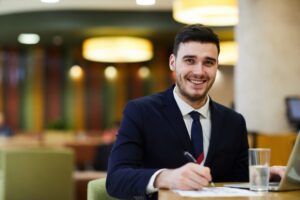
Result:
{"points": [[259, 168]]}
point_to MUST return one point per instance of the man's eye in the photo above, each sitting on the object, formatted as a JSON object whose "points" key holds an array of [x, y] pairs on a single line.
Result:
{"points": [[189, 61], [209, 63]]}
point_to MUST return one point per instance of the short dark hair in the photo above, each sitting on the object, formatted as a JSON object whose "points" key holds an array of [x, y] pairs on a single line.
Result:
{"points": [[195, 32]]}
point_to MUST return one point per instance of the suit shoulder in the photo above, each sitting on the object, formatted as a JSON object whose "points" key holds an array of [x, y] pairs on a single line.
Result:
{"points": [[227, 111], [143, 108], [150, 100]]}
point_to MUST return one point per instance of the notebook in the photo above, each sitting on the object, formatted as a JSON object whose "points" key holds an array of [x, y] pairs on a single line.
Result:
{"points": [[290, 180]]}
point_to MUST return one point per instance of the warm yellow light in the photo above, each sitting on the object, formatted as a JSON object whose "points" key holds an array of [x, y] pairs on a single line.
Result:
{"points": [[117, 49], [229, 53], [110, 72], [76, 72], [144, 72], [208, 12], [145, 2]]}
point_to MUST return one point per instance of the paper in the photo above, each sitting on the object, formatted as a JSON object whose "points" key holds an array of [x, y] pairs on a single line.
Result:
{"points": [[217, 192]]}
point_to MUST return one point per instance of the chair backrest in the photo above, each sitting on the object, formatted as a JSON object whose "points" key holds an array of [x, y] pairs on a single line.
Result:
{"points": [[97, 190], [36, 174], [281, 146]]}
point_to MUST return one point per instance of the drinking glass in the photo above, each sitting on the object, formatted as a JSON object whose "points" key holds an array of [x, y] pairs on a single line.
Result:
{"points": [[259, 168]]}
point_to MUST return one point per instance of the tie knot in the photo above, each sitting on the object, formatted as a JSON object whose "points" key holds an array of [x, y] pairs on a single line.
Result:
{"points": [[195, 115]]}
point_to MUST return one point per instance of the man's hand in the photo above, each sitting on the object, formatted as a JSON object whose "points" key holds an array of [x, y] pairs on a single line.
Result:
{"points": [[188, 177]]}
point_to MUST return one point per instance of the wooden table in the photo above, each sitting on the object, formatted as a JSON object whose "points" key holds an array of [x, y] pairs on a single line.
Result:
{"points": [[286, 195]]}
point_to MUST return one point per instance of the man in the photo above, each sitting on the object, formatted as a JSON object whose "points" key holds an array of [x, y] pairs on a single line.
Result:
{"points": [[158, 131]]}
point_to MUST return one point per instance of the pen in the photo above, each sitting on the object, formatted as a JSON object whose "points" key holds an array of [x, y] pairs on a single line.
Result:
{"points": [[191, 158]]}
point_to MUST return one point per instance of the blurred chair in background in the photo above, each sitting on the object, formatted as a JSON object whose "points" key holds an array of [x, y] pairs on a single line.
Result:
{"points": [[36, 174], [97, 190], [281, 145]]}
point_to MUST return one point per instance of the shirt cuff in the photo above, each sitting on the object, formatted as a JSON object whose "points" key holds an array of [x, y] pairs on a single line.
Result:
{"points": [[150, 187]]}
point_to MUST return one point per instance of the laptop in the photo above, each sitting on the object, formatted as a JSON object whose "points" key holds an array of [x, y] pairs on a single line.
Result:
{"points": [[290, 180]]}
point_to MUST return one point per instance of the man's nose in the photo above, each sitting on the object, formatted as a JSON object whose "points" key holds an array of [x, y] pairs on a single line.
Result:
{"points": [[198, 69]]}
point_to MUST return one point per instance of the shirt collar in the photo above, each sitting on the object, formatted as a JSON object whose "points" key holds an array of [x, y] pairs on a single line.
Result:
{"points": [[186, 108]]}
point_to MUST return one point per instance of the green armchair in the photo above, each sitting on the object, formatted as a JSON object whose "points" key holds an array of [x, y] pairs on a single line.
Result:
{"points": [[97, 190], [36, 174]]}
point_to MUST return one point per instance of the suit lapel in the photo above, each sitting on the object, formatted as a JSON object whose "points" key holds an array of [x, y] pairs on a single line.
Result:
{"points": [[216, 130], [173, 115]]}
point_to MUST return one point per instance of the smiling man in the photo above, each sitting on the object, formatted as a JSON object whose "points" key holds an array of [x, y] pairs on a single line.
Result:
{"points": [[196, 66], [159, 131]]}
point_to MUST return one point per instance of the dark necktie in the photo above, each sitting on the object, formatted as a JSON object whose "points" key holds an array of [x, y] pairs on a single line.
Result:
{"points": [[197, 136]]}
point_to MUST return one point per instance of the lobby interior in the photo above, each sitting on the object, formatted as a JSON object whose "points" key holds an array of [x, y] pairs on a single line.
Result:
{"points": [[53, 97]]}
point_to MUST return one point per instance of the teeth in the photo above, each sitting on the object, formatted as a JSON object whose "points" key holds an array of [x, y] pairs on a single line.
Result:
{"points": [[197, 81]]}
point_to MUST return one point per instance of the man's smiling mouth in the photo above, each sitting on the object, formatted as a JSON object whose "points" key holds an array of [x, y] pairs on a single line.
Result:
{"points": [[197, 81]]}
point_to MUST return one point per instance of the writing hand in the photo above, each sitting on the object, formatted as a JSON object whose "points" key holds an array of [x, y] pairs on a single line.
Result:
{"points": [[191, 176]]}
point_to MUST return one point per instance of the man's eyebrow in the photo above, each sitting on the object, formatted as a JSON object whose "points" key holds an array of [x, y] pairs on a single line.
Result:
{"points": [[194, 57], [189, 56]]}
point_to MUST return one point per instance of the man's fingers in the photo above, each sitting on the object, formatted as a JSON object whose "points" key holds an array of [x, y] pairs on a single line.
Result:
{"points": [[198, 174], [277, 170], [188, 177], [198, 180], [204, 172]]}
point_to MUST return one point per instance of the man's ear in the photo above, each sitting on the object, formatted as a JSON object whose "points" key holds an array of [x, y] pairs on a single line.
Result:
{"points": [[172, 62]]}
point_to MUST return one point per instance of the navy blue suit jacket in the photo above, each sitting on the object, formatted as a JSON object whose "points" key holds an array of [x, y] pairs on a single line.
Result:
{"points": [[153, 135]]}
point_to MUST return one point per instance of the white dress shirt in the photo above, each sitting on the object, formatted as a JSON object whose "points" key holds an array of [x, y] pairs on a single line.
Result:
{"points": [[205, 121]]}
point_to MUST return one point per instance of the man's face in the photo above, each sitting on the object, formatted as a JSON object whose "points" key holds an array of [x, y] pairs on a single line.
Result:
{"points": [[195, 66]]}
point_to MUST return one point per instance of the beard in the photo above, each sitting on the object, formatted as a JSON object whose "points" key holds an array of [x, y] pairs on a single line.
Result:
{"points": [[193, 98], [189, 97]]}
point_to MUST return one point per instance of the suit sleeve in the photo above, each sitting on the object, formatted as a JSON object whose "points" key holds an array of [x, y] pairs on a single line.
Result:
{"points": [[241, 171], [126, 176]]}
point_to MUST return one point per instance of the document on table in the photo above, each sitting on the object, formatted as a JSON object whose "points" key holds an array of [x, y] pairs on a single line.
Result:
{"points": [[217, 192]]}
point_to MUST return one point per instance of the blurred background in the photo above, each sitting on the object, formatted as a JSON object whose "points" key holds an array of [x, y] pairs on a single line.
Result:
{"points": [[50, 85], [68, 67]]}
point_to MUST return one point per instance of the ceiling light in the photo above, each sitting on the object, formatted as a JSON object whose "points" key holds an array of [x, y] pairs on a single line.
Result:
{"points": [[28, 38], [144, 72], [110, 72], [145, 2], [49, 1], [208, 12], [117, 49], [228, 53], [76, 72]]}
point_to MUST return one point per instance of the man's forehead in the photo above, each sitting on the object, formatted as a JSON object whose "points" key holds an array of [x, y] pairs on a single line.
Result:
{"points": [[192, 42], [194, 48]]}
